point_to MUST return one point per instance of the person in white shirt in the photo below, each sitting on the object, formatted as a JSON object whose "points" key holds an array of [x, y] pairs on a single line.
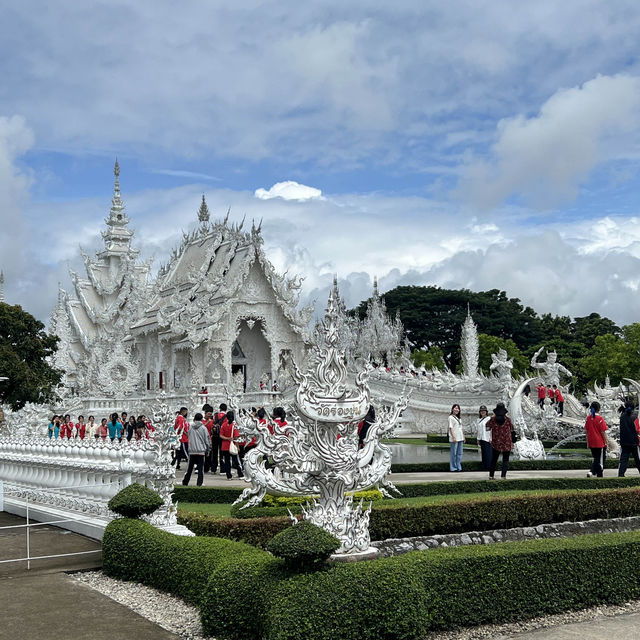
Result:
{"points": [[456, 439], [484, 437]]}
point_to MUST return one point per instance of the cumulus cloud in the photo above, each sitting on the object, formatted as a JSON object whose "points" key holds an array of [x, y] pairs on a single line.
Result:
{"points": [[546, 157], [289, 190]]}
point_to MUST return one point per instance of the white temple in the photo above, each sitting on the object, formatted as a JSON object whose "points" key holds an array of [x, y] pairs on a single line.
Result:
{"points": [[216, 314]]}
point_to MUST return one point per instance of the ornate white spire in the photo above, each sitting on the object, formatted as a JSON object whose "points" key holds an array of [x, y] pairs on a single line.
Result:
{"points": [[117, 216], [470, 346], [203, 211], [375, 287], [1, 286]]}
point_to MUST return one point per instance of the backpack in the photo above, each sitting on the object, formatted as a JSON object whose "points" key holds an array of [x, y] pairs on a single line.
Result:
{"points": [[217, 423]]}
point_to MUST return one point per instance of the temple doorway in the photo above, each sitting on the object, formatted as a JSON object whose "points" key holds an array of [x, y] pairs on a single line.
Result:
{"points": [[252, 350]]}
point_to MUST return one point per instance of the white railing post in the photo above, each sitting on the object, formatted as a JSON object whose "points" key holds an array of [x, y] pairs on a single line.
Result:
{"points": [[28, 538]]}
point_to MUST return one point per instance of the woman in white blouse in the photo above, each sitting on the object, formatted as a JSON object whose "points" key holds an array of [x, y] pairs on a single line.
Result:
{"points": [[456, 439], [484, 437]]}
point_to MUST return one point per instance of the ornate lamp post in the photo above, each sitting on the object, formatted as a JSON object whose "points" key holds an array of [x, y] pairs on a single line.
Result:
{"points": [[318, 454]]}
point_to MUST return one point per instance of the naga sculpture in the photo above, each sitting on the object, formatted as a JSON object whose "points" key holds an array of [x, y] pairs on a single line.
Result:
{"points": [[318, 454]]}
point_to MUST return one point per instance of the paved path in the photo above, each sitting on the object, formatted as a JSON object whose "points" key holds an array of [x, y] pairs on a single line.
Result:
{"points": [[217, 480], [622, 627], [46, 603]]}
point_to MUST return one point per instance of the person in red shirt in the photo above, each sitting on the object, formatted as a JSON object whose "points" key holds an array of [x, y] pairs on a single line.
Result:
{"points": [[229, 433], [595, 426], [551, 394], [559, 400], [181, 428], [279, 416], [81, 428], [542, 393], [66, 429]]}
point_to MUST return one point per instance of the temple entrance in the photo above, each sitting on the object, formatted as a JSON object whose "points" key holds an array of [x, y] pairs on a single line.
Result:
{"points": [[252, 352], [239, 376]]}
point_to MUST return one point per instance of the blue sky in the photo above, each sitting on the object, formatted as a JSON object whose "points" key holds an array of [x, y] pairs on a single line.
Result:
{"points": [[464, 144]]}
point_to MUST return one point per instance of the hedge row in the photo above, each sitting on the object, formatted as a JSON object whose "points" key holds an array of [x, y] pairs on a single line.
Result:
{"points": [[220, 495], [477, 514], [404, 598], [457, 488], [197, 569], [399, 598], [547, 444], [516, 465]]}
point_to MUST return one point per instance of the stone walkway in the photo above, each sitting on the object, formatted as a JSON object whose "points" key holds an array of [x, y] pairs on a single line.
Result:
{"points": [[217, 480], [45, 602]]}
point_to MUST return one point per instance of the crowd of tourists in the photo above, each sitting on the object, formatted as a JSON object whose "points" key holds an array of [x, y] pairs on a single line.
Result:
{"points": [[120, 427], [496, 436]]}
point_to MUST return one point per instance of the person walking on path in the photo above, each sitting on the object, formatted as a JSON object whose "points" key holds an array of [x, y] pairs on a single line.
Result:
{"points": [[542, 394], [229, 434], [181, 428], [595, 426], [199, 445], [484, 437], [456, 439], [629, 438], [559, 400], [500, 426]]}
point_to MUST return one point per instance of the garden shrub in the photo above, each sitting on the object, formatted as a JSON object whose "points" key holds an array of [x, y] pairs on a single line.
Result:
{"points": [[405, 597], [137, 551], [135, 501], [255, 531], [304, 546], [474, 514], [516, 465]]}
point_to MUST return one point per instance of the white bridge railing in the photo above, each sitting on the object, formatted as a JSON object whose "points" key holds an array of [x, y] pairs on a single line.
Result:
{"points": [[77, 478]]}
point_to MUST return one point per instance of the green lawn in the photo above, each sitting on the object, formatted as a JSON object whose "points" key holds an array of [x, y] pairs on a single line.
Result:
{"points": [[224, 510], [217, 510]]}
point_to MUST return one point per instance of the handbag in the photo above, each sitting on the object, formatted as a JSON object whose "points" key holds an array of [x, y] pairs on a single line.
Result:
{"points": [[233, 448], [514, 436]]}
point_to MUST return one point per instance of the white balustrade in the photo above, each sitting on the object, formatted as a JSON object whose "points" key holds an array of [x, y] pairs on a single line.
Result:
{"points": [[77, 478]]}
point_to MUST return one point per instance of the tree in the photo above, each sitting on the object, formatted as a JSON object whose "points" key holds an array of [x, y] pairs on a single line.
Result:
{"points": [[491, 344], [431, 359], [24, 349], [434, 316]]}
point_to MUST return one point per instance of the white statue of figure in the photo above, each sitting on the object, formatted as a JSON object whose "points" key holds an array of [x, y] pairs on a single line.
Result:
{"points": [[551, 368], [238, 381], [502, 365]]}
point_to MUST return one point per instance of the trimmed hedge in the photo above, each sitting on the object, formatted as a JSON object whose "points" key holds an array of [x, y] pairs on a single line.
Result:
{"points": [[254, 531], [137, 551], [215, 495], [135, 501], [219, 495], [303, 547], [516, 465], [547, 444], [405, 597], [477, 514], [243, 592]]}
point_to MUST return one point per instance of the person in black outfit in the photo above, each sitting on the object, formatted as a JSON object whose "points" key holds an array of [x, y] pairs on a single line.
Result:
{"points": [[629, 439], [363, 427], [216, 440]]}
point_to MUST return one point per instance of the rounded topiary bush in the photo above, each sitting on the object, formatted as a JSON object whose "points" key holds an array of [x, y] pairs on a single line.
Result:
{"points": [[303, 546], [135, 501]]}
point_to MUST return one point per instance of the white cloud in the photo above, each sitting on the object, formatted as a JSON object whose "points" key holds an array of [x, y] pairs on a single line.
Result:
{"points": [[289, 190], [546, 157]]}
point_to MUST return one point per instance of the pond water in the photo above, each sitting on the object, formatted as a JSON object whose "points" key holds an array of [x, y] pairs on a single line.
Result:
{"points": [[416, 453]]}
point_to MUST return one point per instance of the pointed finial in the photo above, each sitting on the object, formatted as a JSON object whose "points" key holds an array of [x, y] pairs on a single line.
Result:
{"points": [[203, 211], [116, 169], [1, 286], [468, 308], [375, 286], [335, 280]]}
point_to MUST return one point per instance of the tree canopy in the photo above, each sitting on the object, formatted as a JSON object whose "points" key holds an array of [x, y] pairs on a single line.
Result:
{"points": [[24, 349], [591, 346]]}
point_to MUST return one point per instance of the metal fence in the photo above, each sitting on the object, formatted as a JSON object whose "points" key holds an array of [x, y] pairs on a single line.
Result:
{"points": [[29, 525]]}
